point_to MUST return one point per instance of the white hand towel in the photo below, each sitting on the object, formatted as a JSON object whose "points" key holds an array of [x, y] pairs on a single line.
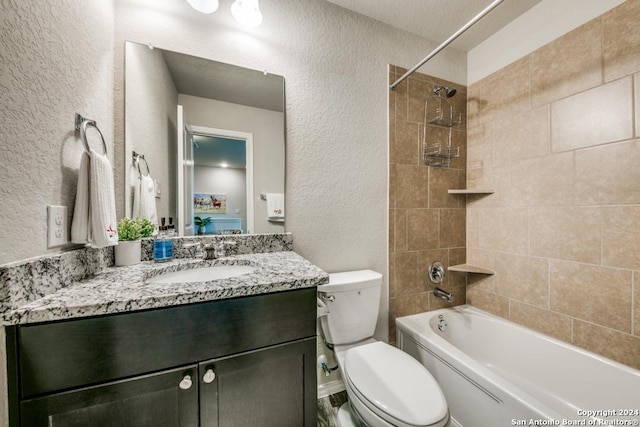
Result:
{"points": [[144, 200], [275, 207], [102, 202], [80, 224]]}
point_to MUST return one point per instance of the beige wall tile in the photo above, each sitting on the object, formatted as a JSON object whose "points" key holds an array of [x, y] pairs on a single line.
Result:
{"points": [[488, 302], [473, 228], [608, 175], [407, 140], [567, 65], [637, 98], [440, 181], [452, 228], [594, 117], [392, 275], [621, 236], [616, 345], [541, 320], [411, 186], [543, 181], [500, 95], [566, 233], [479, 150], [593, 293], [636, 303], [497, 178], [392, 230], [404, 306], [621, 40], [522, 136], [505, 230], [419, 90], [423, 229], [523, 278], [400, 230], [392, 186], [392, 139], [406, 274], [402, 101]]}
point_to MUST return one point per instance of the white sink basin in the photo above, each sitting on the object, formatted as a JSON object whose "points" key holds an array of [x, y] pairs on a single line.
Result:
{"points": [[202, 274]]}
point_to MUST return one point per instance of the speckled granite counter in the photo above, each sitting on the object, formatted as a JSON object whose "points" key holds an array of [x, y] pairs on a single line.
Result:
{"points": [[124, 289]]}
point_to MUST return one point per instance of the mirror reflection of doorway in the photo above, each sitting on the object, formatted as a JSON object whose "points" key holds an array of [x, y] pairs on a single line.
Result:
{"points": [[220, 182], [217, 182]]}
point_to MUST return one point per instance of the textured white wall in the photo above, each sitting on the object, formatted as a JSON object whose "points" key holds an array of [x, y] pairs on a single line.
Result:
{"points": [[57, 59], [151, 106], [335, 67]]}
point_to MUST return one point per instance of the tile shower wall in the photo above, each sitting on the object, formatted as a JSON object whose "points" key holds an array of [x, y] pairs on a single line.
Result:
{"points": [[556, 134], [426, 224]]}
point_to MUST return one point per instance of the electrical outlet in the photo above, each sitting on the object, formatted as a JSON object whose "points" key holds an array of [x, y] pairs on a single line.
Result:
{"points": [[57, 230]]}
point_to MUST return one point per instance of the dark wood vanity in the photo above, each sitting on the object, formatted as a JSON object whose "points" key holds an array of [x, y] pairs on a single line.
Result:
{"points": [[244, 361]]}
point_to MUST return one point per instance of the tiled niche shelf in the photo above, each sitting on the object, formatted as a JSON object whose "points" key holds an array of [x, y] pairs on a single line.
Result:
{"points": [[468, 268], [472, 191]]}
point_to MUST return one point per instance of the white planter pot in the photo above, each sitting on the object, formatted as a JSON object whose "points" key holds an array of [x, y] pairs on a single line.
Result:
{"points": [[128, 252]]}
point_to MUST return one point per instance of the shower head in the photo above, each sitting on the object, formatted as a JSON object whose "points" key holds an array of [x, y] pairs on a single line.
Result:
{"points": [[448, 91]]}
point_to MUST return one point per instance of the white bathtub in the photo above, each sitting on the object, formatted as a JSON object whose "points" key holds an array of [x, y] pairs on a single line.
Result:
{"points": [[495, 373]]}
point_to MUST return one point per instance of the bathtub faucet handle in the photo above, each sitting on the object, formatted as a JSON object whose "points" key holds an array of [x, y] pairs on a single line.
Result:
{"points": [[436, 272]]}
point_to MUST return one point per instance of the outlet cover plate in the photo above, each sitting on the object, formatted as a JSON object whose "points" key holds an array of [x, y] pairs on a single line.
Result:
{"points": [[57, 229]]}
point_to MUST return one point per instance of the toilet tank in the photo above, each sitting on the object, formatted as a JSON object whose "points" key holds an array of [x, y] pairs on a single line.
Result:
{"points": [[353, 298]]}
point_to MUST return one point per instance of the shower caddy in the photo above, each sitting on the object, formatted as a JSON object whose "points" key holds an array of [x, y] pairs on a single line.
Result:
{"points": [[438, 111]]}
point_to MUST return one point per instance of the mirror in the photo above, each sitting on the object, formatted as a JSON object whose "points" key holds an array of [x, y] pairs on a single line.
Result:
{"points": [[212, 135]]}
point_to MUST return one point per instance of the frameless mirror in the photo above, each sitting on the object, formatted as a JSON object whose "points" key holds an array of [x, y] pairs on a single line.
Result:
{"points": [[212, 136]]}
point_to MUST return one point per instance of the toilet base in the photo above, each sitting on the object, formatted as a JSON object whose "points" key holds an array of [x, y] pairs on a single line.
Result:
{"points": [[346, 418]]}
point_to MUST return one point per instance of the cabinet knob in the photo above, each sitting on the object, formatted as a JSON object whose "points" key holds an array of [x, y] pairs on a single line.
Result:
{"points": [[209, 376], [186, 382]]}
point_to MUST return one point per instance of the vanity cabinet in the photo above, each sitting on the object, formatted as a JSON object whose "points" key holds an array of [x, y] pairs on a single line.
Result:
{"points": [[234, 362]]}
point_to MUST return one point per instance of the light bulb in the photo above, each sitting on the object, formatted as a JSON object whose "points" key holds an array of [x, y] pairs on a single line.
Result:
{"points": [[204, 6], [247, 12]]}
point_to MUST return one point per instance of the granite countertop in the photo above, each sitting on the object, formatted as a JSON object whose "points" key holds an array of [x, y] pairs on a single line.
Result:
{"points": [[124, 289]]}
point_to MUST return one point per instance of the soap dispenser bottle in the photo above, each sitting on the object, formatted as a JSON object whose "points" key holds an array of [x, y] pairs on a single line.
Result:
{"points": [[163, 245]]}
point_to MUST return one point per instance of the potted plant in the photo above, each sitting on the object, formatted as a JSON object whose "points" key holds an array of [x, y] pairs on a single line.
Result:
{"points": [[201, 223], [130, 231]]}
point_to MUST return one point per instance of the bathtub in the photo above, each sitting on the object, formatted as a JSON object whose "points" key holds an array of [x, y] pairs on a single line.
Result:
{"points": [[495, 373]]}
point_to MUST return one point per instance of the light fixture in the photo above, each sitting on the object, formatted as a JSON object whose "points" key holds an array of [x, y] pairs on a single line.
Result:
{"points": [[247, 12], [204, 6]]}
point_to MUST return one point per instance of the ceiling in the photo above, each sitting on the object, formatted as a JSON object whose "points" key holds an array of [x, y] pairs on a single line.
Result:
{"points": [[225, 82], [437, 20], [213, 151]]}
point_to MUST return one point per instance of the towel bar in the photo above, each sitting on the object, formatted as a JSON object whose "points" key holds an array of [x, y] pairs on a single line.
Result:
{"points": [[81, 124], [136, 160]]}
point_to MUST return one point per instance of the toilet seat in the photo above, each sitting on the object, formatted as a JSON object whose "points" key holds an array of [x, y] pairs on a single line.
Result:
{"points": [[394, 386]]}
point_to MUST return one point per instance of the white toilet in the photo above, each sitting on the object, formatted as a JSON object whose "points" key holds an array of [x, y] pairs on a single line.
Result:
{"points": [[385, 386]]}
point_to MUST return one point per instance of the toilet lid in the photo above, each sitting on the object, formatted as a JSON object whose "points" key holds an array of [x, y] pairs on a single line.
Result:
{"points": [[396, 384]]}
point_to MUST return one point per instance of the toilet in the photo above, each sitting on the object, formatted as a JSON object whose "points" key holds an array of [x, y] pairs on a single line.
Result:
{"points": [[385, 386]]}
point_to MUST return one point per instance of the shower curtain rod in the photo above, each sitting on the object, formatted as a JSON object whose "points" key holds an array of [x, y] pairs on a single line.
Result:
{"points": [[447, 42]]}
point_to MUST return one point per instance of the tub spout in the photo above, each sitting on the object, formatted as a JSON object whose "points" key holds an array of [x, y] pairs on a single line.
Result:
{"points": [[443, 294]]}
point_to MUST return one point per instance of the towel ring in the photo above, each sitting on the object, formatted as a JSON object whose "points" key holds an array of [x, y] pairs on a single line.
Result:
{"points": [[86, 123], [136, 159]]}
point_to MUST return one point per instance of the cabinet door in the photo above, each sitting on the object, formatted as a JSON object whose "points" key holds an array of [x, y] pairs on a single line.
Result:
{"points": [[166, 399], [275, 386]]}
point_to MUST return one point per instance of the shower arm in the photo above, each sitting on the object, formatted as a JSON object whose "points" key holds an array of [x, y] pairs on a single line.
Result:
{"points": [[447, 42]]}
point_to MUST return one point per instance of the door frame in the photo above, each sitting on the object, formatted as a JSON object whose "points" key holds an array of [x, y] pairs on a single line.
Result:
{"points": [[247, 137]]}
